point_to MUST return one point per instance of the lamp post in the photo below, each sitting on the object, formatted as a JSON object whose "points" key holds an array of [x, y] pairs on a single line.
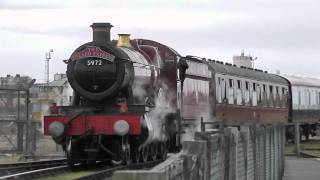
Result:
{"points": [[46, 73], [48, 57], [253, 59]]}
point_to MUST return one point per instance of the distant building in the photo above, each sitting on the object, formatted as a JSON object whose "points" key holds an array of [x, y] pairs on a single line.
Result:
{"points": [[18, 81], [43, 95], [243, 60], [59, 76]]}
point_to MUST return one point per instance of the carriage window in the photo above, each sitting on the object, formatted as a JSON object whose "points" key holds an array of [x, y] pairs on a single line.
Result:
{"points": [[230, 92], [230, 83], [224, 89], [239, 93], [284, 97], [308, 97], [239, 84], [218, 90], [299, 97], [247, 85], [271, 96], [254, 94], [259, 93], [247, 94]]}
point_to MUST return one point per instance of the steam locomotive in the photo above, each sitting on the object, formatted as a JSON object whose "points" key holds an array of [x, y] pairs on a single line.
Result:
{"points": [[134, 99], [123, 105]]}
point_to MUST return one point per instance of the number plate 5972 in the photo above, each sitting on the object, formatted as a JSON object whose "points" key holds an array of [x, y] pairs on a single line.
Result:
{"points": [[94, 62]]}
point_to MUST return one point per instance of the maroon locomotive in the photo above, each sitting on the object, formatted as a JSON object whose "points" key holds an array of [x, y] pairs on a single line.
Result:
{"points": [[133, 99]]}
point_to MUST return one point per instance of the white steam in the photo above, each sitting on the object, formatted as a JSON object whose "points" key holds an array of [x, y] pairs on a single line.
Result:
{"points": [[189, 131], [139, 90], [159, 114]]}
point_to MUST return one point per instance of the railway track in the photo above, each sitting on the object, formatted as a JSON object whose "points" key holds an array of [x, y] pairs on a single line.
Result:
{"points": [[8, 169], [100, 173], [40, 173], [306, 155], [107, 172]]}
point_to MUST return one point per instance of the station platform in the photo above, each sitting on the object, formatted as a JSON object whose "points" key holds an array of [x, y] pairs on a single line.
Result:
{"points": [[302, 168]]}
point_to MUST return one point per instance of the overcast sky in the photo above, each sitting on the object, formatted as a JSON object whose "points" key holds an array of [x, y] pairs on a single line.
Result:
{"points": [[283, 34]]}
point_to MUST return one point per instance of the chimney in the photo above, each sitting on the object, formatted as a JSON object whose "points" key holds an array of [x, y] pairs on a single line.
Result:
{"points": [[101, 32], [124, 40]]}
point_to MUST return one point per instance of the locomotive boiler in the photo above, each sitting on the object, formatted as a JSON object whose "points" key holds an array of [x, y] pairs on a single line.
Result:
{"points": [[117, 85]]}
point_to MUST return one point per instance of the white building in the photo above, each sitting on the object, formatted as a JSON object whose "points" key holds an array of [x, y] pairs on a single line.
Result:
{"points": [[43, 95], [243, 60]]}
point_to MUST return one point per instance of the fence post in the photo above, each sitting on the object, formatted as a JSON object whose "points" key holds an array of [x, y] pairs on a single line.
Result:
{"points": [[297, 138], [261, 152], [227, 137], [198, 148], [283, 140], [249, 159], [233, 153], [203, 136]]}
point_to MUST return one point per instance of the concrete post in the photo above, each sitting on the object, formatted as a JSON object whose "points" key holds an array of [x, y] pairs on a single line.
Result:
{"points": [[233, 153], [297, 138], [245, 133], [198, 148], [227, 138], [28, 125], [204, 136], [19, 125]]}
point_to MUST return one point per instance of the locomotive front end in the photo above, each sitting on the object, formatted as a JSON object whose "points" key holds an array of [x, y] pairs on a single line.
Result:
{"points": [[98, 70]]}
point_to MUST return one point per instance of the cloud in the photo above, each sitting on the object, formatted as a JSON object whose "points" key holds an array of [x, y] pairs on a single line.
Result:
{"points": [[259, 35], [278, 32], [27, 5], [67, 32], [104, 4]]}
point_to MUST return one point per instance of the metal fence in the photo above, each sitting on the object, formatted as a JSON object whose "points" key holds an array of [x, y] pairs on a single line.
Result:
{"points": [[243, 152], [17, 131], [20, 123]]}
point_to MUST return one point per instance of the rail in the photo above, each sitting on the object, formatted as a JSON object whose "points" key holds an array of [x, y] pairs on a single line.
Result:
{"points": [[102, 174], [9, 169], [30, 175], [43, 170]]}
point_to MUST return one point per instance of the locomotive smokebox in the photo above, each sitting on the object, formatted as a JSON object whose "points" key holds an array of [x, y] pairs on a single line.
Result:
{"points": [[101, 32]]}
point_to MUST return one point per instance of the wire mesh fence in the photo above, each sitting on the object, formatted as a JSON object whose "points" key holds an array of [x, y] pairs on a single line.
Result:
{"points": [[248, 152]]}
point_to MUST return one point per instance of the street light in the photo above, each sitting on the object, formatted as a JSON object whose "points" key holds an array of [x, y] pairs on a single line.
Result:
{"points": [[48, 57], [253, 59]]}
